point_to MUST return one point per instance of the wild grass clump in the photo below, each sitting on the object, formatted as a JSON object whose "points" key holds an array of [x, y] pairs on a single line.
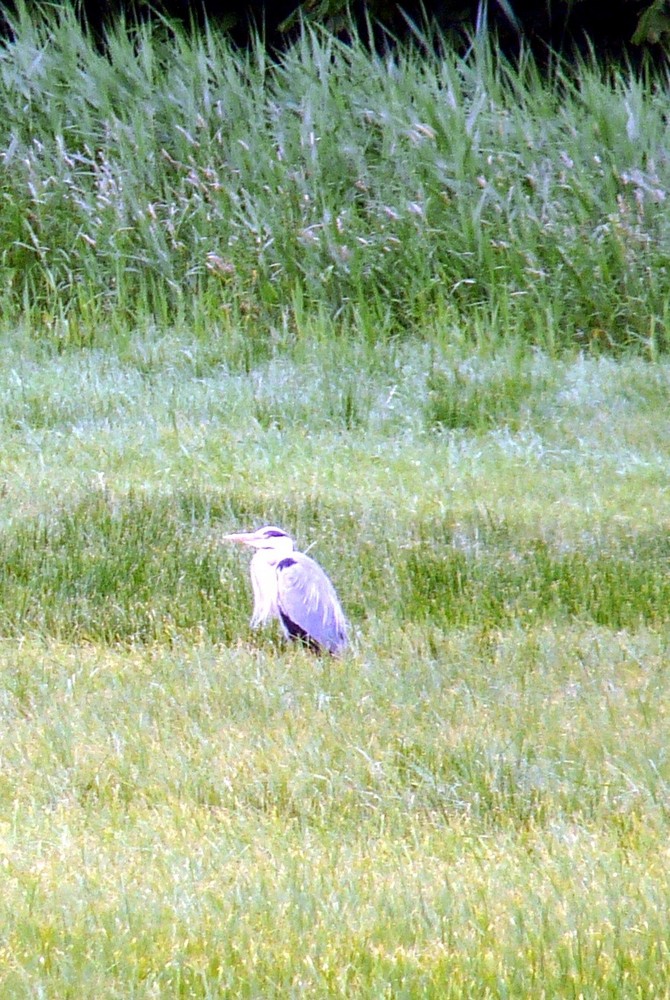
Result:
{"points": [[475, 395], [171, 176], [620, 587], [95, 572]]}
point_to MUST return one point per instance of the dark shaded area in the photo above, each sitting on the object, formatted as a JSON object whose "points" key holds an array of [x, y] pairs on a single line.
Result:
{"points": [[568, 26]]}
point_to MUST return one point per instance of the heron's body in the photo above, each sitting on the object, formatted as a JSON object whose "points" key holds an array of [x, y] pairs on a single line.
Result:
{"points": [[290, 586]]}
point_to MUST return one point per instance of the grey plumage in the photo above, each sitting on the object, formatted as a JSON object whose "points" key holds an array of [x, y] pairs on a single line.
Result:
{"points": [[292, 587]]}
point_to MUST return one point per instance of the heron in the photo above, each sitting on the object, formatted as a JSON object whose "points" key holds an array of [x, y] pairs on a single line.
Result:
{"points": [[292, 587]]}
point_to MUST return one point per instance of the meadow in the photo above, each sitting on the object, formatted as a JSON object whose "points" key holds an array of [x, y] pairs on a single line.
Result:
{"points": [[413, 308]]}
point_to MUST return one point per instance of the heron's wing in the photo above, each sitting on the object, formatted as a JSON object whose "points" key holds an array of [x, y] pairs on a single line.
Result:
{"points": [[308, 604]]}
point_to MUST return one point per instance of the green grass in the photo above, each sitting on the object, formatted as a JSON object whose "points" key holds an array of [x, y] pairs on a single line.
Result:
{"points": [[175, 178], [148, 568], [430, 344], [210, 822], [472, 802]]}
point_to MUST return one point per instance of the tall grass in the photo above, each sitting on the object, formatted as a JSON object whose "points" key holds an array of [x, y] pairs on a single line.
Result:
{"points": [[173, 176]]}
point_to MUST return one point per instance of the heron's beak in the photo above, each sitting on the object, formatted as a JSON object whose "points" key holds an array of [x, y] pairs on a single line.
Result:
{"points": [[241, 537]]}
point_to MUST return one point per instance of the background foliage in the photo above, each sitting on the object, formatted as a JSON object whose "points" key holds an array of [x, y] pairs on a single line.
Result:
{"points": [[614, 30], [174, 176]]}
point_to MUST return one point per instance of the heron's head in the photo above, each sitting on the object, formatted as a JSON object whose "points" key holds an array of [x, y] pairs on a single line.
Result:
{"points": [[269, 537]]}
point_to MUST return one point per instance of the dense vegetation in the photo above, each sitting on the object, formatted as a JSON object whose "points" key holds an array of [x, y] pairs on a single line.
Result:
{"points": [[415, 311], [179, 179]]}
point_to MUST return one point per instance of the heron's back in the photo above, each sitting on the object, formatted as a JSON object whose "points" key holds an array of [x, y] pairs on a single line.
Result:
{"points": [[308, 605]]}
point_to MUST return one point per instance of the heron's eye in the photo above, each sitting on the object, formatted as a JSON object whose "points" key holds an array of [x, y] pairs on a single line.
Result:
{"points": [[275, 534]]}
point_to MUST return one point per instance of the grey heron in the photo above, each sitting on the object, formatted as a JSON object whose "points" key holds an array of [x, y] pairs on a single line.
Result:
{"points": [[292, 587]]}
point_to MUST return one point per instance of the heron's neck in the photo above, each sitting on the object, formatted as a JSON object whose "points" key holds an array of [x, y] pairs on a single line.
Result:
{"points": [[278, 552]]}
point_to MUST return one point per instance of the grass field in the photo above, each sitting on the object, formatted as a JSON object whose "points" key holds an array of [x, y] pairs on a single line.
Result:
{"points": [[474, 800]]}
